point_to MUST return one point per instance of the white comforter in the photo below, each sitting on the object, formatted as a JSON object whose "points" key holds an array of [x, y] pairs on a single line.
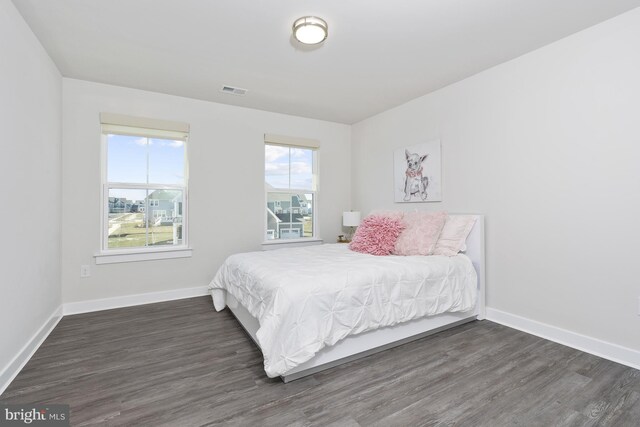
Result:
{"points": [[311, 297]]}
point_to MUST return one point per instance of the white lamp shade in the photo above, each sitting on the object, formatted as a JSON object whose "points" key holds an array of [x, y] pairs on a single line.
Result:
{"points": [[351, 219]]}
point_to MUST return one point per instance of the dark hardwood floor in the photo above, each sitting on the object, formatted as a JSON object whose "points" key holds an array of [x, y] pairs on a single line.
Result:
{"points": [[182, 364]]}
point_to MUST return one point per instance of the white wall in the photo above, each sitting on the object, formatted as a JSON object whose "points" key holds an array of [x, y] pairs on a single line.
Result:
{"points": [[548, 147], [30, 122], [226, 188]]}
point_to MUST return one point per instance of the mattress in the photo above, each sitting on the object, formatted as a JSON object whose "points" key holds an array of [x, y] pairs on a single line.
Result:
{"points": [[311, 297]]}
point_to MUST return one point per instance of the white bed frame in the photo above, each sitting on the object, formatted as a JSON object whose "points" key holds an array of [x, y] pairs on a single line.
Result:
{"points": [[362, 345]]}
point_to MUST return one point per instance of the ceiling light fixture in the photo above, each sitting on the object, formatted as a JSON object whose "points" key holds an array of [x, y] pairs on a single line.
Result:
{"points": [[310, 30]]}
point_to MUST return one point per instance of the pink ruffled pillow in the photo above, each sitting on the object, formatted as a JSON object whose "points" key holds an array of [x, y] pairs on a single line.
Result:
{"points": [[377, 235], [421, 233]]}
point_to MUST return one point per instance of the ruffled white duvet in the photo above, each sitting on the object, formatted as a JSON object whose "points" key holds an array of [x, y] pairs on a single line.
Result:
{"points": [[311, 297]]}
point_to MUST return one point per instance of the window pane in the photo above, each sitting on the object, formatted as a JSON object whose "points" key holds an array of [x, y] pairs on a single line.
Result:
{"points": [[165, 217], [166, 161], [288, 167], [289, 215], [301, 169], [126, 227], [276, 166], [126, 159], [139, 218], [307, 210]]}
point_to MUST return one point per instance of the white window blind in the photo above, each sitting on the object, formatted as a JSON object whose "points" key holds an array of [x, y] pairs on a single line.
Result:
{"points": [[291, 141], [120, 124]]}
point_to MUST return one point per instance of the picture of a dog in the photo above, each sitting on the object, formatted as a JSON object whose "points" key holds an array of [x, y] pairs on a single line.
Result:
{"points": [[414, 182]]}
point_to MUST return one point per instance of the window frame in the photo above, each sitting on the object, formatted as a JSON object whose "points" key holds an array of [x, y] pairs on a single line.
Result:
{"points": [[108, 255], [295, 191]]}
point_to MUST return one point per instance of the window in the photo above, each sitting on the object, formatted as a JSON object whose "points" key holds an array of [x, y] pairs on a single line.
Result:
{"points": [[144, 178], [291, 181]]}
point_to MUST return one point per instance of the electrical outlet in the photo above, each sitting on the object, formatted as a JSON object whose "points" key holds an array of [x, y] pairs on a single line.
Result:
{"points": [[85, 271]]}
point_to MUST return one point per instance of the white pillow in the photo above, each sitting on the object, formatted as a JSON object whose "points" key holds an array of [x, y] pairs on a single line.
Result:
{"points": [[454, 235]]}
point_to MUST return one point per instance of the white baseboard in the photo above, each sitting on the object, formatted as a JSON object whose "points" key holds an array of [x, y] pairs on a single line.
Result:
{"points": [[131, 300], [14, 367], [606, 350]]}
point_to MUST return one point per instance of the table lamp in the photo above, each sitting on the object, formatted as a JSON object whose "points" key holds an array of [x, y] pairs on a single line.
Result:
{"points": [[351, 220]]}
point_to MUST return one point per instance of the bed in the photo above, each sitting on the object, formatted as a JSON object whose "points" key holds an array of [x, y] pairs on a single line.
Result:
{"points": [[312, 308]]}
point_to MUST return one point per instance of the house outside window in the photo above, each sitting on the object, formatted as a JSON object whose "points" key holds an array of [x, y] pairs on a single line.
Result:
{"points": [[145, 176], [291, 185]]}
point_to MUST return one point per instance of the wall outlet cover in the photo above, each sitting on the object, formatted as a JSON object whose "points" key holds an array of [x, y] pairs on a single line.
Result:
{"points": [[85, 271]]}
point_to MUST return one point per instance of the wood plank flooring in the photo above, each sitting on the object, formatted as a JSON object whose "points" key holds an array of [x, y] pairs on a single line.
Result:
{"points": [[180, 363]]}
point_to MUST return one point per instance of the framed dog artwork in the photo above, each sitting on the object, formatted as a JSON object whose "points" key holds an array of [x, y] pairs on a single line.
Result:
{"points": [[418, 173]]}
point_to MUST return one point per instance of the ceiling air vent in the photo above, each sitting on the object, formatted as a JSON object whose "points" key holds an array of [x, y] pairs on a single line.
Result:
{"points": [[233, 90]]}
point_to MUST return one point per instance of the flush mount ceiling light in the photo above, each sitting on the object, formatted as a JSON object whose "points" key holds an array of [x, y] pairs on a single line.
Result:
{"points": [[310, 30]]}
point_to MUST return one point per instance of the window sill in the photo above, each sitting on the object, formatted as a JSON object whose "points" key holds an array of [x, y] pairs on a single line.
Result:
{"points": [[290, 243], [113, 257]]}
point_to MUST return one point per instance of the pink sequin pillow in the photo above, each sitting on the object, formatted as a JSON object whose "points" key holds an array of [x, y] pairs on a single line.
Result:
{"points": [[377, 235], [421, 233]]}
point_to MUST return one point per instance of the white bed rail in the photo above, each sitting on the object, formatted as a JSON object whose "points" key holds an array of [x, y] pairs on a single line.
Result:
{"points": [[475, 252]]}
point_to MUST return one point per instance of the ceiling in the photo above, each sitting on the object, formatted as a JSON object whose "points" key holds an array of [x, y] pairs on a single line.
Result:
{"points": [[379, 54]]}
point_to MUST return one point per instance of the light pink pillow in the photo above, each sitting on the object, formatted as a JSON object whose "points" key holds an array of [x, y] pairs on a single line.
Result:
{"points": [[377, 235], [454, 235], [387, 213], [421, 233]]}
